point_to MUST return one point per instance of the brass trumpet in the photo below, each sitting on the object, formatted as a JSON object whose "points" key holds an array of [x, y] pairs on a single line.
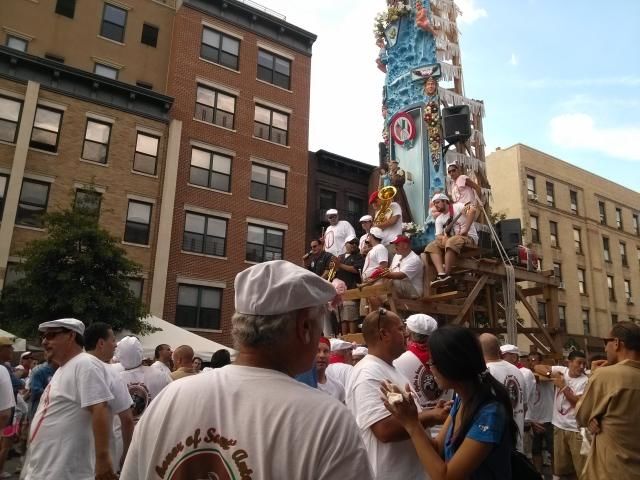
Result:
{"points": [[386, 196], [331, 273]]}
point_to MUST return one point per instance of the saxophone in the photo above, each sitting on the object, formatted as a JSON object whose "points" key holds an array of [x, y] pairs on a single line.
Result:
{"points": [[386, 196]]}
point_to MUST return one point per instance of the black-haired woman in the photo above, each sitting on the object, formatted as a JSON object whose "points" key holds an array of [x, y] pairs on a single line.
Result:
{"points": [[479, 434]]}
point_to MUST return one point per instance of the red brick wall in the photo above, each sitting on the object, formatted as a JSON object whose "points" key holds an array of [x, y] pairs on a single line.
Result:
{"points": [[185, 66]]}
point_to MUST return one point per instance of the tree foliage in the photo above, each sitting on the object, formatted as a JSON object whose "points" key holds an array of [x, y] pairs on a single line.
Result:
{"points": [[78, 271]]}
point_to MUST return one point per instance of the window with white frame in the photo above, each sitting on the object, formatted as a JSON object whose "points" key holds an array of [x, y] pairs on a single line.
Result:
{"points": [[623, 254], [619, 224], [535, 232], [573, 195], [10, 110], [96, 141], [45, 134], [34, 198], [114, 20], [577, 240], [611, 288], [553, 232], [138, 225], [582, 284], [145, 158], [627, 291]]}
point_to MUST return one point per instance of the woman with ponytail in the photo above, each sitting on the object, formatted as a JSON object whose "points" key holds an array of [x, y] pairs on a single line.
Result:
{"points": [[479, 435]]}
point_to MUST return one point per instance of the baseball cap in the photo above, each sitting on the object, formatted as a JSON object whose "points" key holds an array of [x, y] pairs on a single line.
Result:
{"points": [[376, 232], [401, 239], [366, 218]]}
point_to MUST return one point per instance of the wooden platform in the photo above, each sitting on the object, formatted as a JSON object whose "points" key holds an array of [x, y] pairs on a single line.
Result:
{"points": [[473, 298]]}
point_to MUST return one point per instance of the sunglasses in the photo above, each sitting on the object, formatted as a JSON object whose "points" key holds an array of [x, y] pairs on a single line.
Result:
{"points": [[52, 334], [607, 340], [452, 170], [332, 216]]}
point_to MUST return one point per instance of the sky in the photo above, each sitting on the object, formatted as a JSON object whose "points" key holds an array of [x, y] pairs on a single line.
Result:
{"points": [[562, 76]]}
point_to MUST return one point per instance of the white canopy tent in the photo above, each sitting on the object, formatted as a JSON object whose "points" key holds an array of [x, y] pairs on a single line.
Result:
{"points": [[174, 336], [19, 344]]}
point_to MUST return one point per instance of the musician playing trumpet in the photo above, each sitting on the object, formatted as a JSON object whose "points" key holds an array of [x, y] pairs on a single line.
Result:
{"points": [[454, 230]]}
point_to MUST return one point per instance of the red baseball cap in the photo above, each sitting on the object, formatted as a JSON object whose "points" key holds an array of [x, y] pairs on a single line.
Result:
{"points": [[401, 239], [373, 197]]}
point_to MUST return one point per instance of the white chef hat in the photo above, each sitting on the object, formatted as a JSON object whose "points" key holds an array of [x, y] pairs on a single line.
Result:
{"points": [[508, 348], [278, 286], [422, 324], [130, 352]]}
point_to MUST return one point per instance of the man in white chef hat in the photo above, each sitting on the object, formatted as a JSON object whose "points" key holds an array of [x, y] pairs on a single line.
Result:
{"points": [[246, 419]]}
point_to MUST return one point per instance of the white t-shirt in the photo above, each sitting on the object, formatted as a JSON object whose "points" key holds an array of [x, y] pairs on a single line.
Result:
{"points": [[339, 372], [121, 401], [333, 388], [335, 237], [61, 436], [564, 415], [389, 460], [6, 390], [529, 389], [428, 394], [412, 267], [161, 367], [144, 384], [376, 255], [462, 194], [542, 410], [390, 233], [511, 377], [441, 220], [245, 422]]}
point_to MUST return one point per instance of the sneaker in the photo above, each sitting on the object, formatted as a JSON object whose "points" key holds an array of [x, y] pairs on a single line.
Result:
{"points": [[442, 279]]}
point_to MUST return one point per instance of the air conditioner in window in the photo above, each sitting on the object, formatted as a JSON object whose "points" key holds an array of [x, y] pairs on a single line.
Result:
{"points": [[629, 301], [561, 285], [533, 196]]}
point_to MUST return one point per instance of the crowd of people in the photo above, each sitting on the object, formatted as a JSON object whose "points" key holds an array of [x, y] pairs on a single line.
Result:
{"points": [[416, 400]]}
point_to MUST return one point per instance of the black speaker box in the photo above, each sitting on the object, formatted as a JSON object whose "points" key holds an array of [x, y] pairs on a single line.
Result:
{"points": [[456, 123], [510, 233]]}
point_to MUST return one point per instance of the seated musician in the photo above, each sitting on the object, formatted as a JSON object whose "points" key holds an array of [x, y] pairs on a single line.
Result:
{"points": [[453, 232], [348, 267], [406, 271], [391, 226], [375, 267], [464, 191], [317, 260]]}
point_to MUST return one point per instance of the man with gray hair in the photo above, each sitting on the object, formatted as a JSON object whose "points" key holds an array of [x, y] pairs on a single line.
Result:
{"points": [[245, 420]]}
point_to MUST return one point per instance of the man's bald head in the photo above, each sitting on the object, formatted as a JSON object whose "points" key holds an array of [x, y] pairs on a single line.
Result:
{"points": [[372, 324], [183, 356], [490, 347]]}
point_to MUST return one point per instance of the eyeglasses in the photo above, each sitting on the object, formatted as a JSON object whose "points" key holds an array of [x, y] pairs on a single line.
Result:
{"points": [[451, 170], [50, 334], [607, 340], [367, 242], [332, 216]]}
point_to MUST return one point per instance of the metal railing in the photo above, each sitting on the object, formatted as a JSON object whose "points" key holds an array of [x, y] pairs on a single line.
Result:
{"points": [[264, 9]]}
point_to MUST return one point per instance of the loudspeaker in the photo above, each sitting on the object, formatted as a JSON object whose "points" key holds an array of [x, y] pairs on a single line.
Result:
{"points": [[510, 234], [456, 123]]}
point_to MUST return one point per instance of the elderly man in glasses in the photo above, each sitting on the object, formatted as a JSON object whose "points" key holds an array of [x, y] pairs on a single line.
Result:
{"points": [[73, 414], [609, 404], [336, 233], [390, 452]]}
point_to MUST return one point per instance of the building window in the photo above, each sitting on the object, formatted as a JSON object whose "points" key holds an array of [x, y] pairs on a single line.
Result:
{"points": [[88, 202], [638, 255], [611, 288], [210, 169], [149, 35], [542, 312], [531, 187], [54, 58], [268, 184], [46, 129], [573, 195], [66, 8], [586, 325], [96, 141], [204, 234], [627, 291], [113, 22], [602, 208], [551, 199], [17, 43], [145, 159], [582, 285], [535, 233], [606, 249], [355, 207], [13, 273], [138, 223], [327, 200], [198, 307], [619, 224], [557, 272], [136, 285], [10, 110], [264, 243], [34, 198], [215, 107], [271, 125], [220, 48], [562, 317], [553, 230], [274, 69], [623, 254], [577, 240], [614, 318], [105, 71], [4, 181], [635, 218]]}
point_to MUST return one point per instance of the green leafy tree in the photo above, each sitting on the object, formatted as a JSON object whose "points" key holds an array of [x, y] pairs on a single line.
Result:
{"points": [[78, 271]]}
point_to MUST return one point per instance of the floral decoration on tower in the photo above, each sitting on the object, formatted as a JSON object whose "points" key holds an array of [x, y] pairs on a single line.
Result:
{"points": [[395, 10]]}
